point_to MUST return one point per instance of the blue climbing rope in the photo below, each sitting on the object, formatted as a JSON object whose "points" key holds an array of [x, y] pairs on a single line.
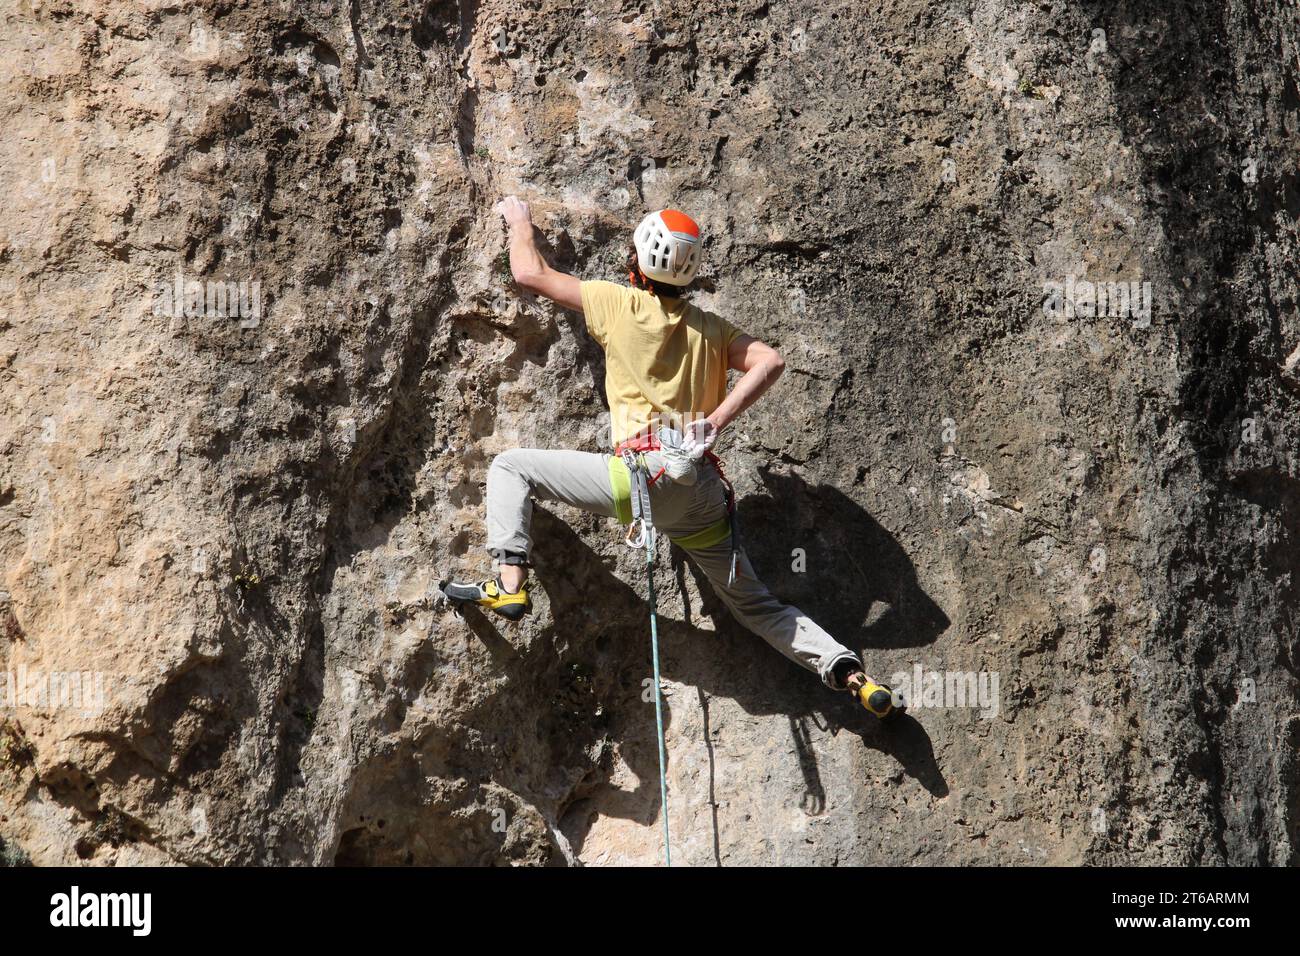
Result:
{"points": [[639, 475], [659, 713]]}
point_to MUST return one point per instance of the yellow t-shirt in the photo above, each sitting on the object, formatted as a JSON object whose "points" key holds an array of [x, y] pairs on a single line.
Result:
{"points": [[665, 359]]}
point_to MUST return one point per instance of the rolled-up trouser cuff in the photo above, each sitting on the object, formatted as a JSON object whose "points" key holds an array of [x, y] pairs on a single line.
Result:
{"points": [[826, 667]]}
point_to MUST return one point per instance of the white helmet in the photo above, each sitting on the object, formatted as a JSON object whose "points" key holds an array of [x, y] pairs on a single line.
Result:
{"points": [[668, 247]]}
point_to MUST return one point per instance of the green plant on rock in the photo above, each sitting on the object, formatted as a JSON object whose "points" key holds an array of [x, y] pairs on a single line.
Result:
{"points": [[247, 580], [15, 751], [308, 717], [1026, 87], [13, 855], [501, 266]]}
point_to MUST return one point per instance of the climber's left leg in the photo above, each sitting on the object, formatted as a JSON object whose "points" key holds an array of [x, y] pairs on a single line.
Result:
{"points": [[515, 478]]}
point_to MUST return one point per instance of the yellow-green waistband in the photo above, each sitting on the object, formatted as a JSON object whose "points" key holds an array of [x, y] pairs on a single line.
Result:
{"points": [[715, 533], [620, 483]]}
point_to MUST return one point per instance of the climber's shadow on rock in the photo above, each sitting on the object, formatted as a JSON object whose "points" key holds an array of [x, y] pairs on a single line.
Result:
{"points": [[849, 575], [482, 626], [819, 549], [732, 662], [736, 664]]}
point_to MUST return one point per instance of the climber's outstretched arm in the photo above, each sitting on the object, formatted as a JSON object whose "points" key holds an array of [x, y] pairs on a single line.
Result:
{"points": [[762, 366], [530, 270]]}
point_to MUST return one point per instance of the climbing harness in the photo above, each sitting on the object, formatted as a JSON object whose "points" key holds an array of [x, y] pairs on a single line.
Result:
{"points": [[714, 534], [642, 525]]}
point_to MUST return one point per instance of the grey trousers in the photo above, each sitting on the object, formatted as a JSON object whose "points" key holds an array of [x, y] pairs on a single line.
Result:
{"points": [[581, 479]]}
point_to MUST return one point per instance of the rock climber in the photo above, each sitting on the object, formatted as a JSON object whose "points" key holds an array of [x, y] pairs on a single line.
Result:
{"points": [[666, 365]]}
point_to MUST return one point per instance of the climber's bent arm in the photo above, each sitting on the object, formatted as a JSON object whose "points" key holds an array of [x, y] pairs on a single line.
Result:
{"points": [[533, 273], [762, 366], [529, 269]]}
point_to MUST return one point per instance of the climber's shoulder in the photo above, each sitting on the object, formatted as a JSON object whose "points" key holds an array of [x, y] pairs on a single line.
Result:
{"points": [[604, 303], [714, 328], [599, 294]]}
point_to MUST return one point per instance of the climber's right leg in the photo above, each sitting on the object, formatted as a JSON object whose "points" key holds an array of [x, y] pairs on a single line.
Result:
{"points": [[783, 626], [789, 630], [515, 478]]}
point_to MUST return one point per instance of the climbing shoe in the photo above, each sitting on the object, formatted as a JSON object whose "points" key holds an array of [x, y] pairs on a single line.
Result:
{"points": [[880, 700], [489, 595]]}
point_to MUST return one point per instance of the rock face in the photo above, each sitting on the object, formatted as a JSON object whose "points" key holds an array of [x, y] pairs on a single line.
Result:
{"points": [[223, 508]]}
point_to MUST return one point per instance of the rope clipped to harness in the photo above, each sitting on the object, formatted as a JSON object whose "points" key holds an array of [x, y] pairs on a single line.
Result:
{"points": [[630, 452], [643, 527]]}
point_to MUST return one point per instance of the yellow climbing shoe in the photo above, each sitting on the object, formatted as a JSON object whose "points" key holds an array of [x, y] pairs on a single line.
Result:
{"points": [[880, 700], [491, 596]]}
